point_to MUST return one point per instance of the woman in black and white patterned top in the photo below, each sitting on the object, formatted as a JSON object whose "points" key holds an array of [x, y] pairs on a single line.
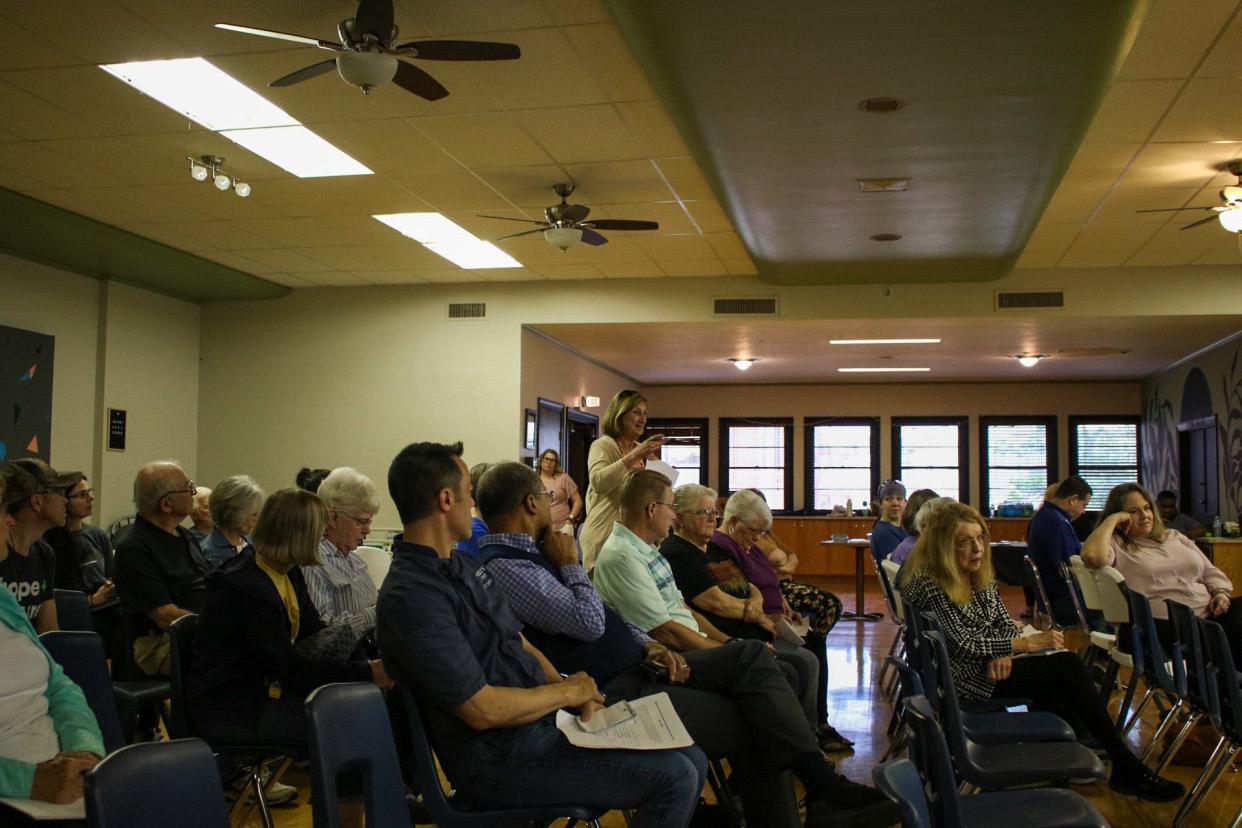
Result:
{"points": [[949, 573]]}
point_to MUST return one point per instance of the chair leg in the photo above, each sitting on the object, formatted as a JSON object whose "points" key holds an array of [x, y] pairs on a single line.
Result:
{"points": [[1171, 751], [1221, 758], [256, 780], [1237, 819], [1160, 731], [1138, 711], [896, 746]]}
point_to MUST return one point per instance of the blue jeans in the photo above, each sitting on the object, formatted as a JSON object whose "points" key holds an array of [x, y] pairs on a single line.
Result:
{"points": [[539, 767]]}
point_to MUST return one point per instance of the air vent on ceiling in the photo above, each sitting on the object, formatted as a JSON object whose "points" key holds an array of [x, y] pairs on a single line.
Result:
{"points": [[467, 310], [1007, 299], [745, 306]]}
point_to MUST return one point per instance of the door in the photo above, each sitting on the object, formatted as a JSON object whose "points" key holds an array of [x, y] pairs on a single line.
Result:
{"points": [[581, 431], [550, 427], [1197, 447]]}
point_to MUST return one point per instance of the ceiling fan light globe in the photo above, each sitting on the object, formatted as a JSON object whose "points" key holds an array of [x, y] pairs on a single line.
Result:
{"points": [[1231, 220], [198, 172], [366, 69], [563, 237], [222, 182], [1231, 195], [242, 189]]}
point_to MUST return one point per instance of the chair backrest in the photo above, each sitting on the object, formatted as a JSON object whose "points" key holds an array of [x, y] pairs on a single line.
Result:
{"points": [[1087, 587], [1111, 586], [350, 730], [1229, 694], [378, 562], [899, 780], [81, 655], [930, 743], [181, 634], [1193, 651], [1037, 583], [890, 570], [947, 705], [1147, 643], [425, 775], [72, 610], [886, 586], [118, 527], [154, 785]]}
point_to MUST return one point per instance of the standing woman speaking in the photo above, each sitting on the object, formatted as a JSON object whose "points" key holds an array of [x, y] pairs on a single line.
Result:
{"points": [[613, 456]]}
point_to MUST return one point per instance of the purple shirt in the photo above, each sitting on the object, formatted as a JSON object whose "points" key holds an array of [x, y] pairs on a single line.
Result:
{"points": [[758, 571], [903, 549]]}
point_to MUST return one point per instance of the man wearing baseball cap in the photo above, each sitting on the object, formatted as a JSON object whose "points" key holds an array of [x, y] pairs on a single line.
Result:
{"points": [[36, 495]]}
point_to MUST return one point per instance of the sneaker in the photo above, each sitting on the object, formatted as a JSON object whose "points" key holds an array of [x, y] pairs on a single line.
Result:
{"points": [[830, 741], [1146, 784], [275, 793]]}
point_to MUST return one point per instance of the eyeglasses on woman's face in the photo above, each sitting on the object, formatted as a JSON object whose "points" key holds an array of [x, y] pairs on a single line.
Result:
{"points": [[82, 495], [703, 514]]}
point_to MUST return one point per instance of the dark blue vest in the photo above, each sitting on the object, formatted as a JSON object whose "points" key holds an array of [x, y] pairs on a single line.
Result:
{"points": [[603, 659]]}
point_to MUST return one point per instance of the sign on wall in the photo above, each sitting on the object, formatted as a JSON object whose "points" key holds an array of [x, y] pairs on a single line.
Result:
{"points": [[25, 393]]}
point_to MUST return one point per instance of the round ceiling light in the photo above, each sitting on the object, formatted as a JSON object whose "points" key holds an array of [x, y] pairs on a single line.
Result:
{"points": [[743, 363], [242, 189], [222, 182], [198, 172], [1029, 360]]}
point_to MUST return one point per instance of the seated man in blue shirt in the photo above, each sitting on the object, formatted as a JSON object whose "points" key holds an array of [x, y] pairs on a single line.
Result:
{"points": [[734, 700], [1051, 542], [490, 697], [887, 533]]}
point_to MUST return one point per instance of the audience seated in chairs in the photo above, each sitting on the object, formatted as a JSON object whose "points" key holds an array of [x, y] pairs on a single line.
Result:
{"points": [[950, 574], [83, 558], [733, 700], [1161, 563], [489, 696], [261, 646], [159, 566], [819, 605], [234, 505], [48, 735], [200, 518], [909, 523], [341, 587], [28, 564], [887, 531], [1051, 542]]}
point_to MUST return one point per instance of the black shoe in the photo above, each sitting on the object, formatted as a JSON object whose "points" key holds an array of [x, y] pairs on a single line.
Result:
{"points": [[1146, 784], [830, 741], [848, 804]]}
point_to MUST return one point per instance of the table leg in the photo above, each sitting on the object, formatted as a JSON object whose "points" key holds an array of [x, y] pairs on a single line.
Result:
{"points": [[859, 603]]}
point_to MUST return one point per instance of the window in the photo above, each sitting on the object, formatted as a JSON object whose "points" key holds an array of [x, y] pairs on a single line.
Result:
{"points": [[1104, 451], [1018, 459], [930, 453], [685, 444], [758, 454], [842, 461]]}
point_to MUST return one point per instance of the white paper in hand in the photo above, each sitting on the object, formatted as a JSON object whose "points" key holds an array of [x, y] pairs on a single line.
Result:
{"points": [[786, 632], [663, 468], [654, 726]]}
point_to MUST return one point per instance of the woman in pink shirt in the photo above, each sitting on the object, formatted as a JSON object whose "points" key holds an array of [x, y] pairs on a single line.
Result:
{"points": [[1161, 563]]}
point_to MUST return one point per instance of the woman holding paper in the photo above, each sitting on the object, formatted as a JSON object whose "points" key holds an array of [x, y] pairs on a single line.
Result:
{"points": [[611, 457], [949, 573]]}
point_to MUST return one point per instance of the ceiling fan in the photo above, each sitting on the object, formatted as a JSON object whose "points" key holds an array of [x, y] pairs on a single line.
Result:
{"points": [[566, 223], [1228, 213], [367, 57]]}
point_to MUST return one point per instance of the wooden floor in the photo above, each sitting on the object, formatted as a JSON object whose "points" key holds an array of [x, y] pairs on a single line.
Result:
{"points": [[855, 652]]}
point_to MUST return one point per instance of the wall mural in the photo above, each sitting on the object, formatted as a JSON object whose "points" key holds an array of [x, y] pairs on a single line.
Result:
{"points": [[25, 393], [1160, 461], [1230, 437]]}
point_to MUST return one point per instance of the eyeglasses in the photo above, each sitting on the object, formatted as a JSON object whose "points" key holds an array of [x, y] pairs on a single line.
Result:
{"points": [[704, 513], [966, 544], [82, 495], [190, 489], [365, 523], [668, 506]]}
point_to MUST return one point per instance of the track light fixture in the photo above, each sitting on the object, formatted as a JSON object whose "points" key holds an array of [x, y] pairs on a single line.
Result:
{"points": [[207, 167]]}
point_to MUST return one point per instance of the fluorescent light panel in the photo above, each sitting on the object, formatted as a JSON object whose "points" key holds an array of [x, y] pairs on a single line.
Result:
{"points": [[202, 93], [298, 150], [883, 341], [444, 238], [882, 370]]}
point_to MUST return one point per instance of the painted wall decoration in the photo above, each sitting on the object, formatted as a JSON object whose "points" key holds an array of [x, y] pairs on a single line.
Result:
{"points": [[1230, 437], [1160, 461], [26, 360]]}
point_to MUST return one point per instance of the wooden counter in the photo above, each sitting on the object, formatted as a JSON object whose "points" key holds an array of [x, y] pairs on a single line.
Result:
{"points": [[805, 534], [1227, 555]]}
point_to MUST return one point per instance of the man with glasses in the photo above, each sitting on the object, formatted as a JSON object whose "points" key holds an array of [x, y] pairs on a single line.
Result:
{"points": [[27, 568], [159, 566]]}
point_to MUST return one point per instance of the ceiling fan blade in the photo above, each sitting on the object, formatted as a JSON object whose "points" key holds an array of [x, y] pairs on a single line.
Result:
{"points": [[374, 17], [292, 38], [1173, 209], [623, 224], [459, 50], [1197, 223], [412, 79], [523, 233], [507, 218], [591, 237], [575, 213], [305, 73]]}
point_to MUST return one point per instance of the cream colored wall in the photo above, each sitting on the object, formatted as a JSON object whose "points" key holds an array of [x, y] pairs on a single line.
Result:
{"points": [[118, 347], [888, 401]]}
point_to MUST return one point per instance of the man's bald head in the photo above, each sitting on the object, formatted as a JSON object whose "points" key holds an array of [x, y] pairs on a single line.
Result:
{"points": [[153, 484]]}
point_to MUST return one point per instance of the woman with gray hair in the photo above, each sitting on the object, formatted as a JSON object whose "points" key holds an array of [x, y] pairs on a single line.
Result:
{"points": [[341, 589], [234, 505]]}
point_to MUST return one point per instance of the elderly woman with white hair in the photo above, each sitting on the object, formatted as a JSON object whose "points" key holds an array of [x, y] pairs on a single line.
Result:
{"points": [[234, 505], [746, 519], [342, 589], [200, 518]]}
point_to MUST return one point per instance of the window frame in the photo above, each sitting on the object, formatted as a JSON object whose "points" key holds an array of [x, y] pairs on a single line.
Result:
{"points": [[1076, 420], [808, 454], [655, 425], [963, 449], [1049, 422], [725, 423]]}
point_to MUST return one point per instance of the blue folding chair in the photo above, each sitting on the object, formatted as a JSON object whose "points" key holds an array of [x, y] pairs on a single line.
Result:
{"points": [[154, 785], [73, 611], [900, 782], [1151, 663], [1030, 809], [81, 656], [1195, 702], [449, 815]]}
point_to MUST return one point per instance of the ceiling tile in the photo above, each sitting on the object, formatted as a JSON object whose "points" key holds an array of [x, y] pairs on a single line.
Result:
{"points": [[1205, 111], [1221, 257], [332, 278], [321, 231], [740, 267], [102, 104], [1038, 258], [97, 32], [481, 140], [1175, 36], [1115, 236], [13, 179], [569, 271], [549, 73], [1093, 258], [1098, 164], [443, 276], [410, 256], [1123, 203], [1172, 237], [1131, 110], [29, 116], [703, 267], [356, 196], [447, 191], [1177, 165], [620, 182], [230, 259], [205, 200], [1074, 204], [650, 124], [21, 48], [419, 18], [282, 259], [1225, 59], [198, 235], [709, 216], [687, 181], [534, 251], [508, 274], [630, 270], [531, 187], [582, 133], [119, 205], [1052, 237], [387, 145], [1162, 258], [670, 215], [665, 249], [727, 245], [580, 11], [390, 277], [287, 279], [607, 57]]}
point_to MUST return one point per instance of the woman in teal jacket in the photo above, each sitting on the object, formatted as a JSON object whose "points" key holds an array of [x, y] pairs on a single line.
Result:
{"points": [[57, 776]]}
